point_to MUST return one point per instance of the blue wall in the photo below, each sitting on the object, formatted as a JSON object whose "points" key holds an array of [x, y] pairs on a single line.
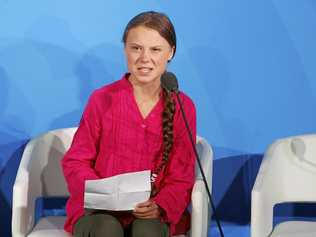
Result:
{"points": [[248, 65]]}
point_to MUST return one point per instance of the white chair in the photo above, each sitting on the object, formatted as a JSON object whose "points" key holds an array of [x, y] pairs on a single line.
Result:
{"points": [[287, 174], [40, 175]]}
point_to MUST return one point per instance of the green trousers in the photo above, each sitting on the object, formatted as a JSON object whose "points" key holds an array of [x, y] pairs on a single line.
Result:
{"points": [[105, 225]]}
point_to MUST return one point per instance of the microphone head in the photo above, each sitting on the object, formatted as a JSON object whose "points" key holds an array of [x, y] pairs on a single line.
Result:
{"points": [[169, 82]]}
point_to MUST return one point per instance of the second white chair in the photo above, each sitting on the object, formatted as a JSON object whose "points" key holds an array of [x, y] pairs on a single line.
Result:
{"points": [[287, 174]]}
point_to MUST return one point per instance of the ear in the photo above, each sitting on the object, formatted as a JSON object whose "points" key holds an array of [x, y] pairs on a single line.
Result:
{"points": [[171, 54]]}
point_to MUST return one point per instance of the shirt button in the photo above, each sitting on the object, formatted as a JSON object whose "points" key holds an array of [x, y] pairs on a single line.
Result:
{"points": [[143, 125]]}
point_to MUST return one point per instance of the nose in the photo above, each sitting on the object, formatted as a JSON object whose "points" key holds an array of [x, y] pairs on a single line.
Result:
{"points": [[144, 56]]}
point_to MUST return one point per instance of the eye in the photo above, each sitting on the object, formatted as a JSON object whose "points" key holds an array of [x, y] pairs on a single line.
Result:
{"points": [[135, 48], [156, 49]]}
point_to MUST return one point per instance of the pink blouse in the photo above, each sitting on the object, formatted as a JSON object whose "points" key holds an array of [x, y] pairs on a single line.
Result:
{"points": [[114, 138]]}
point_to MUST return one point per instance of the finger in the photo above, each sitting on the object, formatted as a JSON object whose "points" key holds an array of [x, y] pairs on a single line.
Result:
{"points": [[144, 204], [146, 209], [151, 215], [142, 210], [148, 215], [154, 212]]}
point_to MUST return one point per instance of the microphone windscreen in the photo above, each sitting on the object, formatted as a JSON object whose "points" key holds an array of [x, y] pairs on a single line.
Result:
{"points": [[169, 81]]}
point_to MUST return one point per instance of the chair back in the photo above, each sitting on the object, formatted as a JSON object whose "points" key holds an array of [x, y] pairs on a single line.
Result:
{"points": [[45, 153], [293, 168]]}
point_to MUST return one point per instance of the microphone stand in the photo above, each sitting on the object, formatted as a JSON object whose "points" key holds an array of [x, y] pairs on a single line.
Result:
{"points": [[199, 163]]}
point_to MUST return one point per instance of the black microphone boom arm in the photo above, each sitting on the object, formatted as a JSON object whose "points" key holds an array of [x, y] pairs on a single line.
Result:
{"points": [[199, 163]]}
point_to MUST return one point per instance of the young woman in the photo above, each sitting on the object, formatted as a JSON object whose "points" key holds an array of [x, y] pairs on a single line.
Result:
{"points": [[133, 125]]}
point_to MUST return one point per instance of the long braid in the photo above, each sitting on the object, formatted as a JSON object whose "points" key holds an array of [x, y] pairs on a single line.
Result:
{"points": [[167, 126], [167, 132]]}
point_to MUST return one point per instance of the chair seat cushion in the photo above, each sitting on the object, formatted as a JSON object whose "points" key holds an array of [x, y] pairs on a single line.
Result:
{"points": [[295, 229], [51, 226]]}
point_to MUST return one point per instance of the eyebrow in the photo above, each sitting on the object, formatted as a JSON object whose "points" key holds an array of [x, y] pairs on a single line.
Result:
{"points": [[155, 46]]}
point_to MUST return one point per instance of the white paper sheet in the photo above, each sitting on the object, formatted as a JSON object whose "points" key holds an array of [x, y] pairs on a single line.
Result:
{"points": [[118, 193]]}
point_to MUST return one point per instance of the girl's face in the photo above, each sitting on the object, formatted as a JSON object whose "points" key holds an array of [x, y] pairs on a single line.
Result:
{"points": [[147, 54]]}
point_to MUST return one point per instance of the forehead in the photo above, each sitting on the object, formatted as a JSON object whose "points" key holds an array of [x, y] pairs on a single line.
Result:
{"points": [[145, 36]]}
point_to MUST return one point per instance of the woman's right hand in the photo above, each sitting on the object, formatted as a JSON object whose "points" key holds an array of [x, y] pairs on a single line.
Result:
{"points": [[147, 210]]}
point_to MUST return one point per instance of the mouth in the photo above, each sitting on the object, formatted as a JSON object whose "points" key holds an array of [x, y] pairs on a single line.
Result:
{"points": [[144, 69]]}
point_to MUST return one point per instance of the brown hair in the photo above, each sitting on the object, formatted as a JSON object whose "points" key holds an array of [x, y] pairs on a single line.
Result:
{"points": [[162, 24]]}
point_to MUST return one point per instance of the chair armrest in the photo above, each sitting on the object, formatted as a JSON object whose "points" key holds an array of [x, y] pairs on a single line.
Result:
{"points": [[264, 196], [207, 169], [22, 206], [200, 210], [205, 153], [261, 214], [26, 189]]}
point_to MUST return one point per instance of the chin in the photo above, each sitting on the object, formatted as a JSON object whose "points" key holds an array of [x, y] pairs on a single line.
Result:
{"points": [[146, 78]]}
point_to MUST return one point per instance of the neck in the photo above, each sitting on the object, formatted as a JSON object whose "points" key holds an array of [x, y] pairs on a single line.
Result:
{"points": [[146, 91]]}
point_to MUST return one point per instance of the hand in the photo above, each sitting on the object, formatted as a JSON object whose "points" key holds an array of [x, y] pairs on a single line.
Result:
{"points": [[147, 210]]}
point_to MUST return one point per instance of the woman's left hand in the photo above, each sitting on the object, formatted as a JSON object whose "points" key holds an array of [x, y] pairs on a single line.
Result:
{"points": [[147, 210]]}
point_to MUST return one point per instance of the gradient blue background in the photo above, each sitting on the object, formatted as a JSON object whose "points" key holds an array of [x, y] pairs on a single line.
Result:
{"points": [[248, 65]]}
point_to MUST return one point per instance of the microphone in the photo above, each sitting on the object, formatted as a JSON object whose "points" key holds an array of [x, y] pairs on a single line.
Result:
{"points": [[170, 83]]}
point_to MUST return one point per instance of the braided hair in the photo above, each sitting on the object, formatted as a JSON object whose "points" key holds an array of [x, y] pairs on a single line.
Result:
{"points": [[167, 129]]}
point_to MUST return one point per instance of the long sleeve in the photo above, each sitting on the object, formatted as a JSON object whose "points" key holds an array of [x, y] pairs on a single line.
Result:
{"points": [[178, 181], [79, 160]]}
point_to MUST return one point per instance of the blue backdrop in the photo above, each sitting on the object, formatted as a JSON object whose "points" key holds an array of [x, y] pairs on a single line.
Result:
{"points": [[248, 65]]}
